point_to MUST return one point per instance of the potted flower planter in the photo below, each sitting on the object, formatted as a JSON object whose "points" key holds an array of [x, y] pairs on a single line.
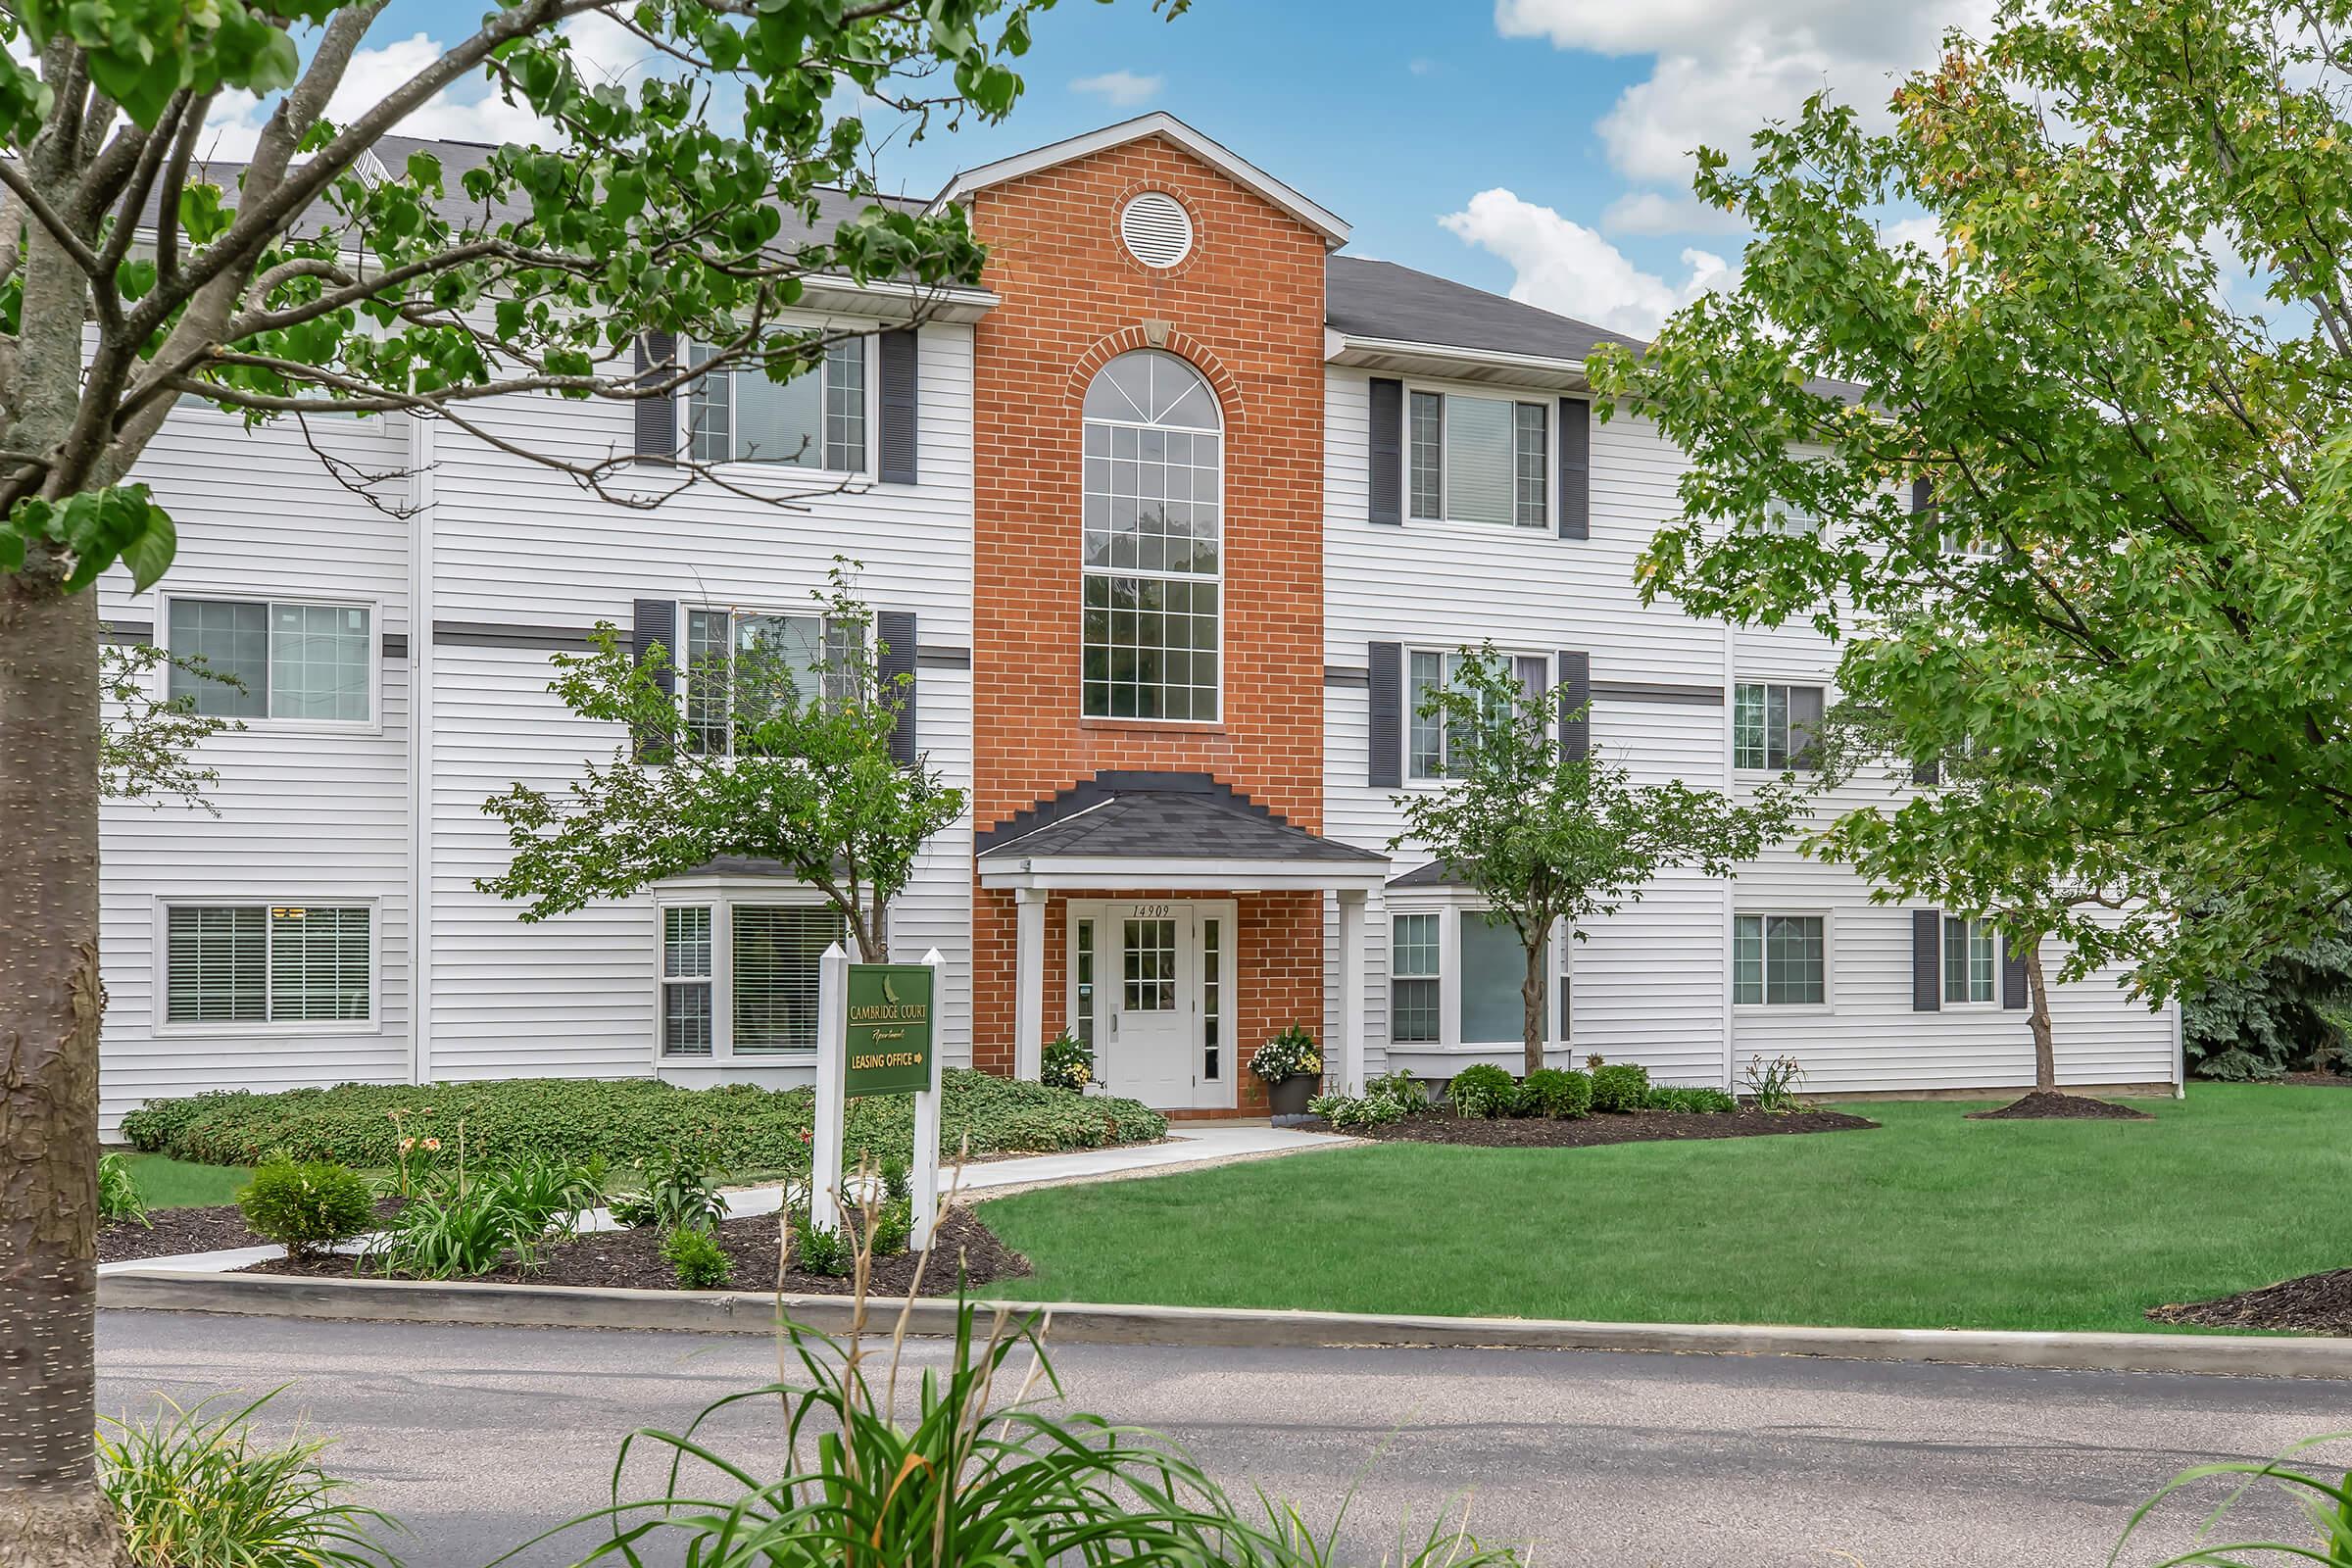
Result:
{"points": [[1288, 1097]]}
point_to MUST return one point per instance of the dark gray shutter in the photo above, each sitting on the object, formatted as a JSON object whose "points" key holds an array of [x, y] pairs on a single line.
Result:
{"points": [[899, 365], [2015, 993], [1576, 698], [1576, 470], [895, 629], [1927, 961], [656, 620], [656, 417], [1386, 728], [1387, 476], [1922, 494]]}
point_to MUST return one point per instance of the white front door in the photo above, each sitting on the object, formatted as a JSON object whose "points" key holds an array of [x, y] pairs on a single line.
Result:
{"points": [[1154, 959]]}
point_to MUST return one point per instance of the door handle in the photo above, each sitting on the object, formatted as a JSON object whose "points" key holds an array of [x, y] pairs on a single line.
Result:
{"points": [[1114, 1026]]}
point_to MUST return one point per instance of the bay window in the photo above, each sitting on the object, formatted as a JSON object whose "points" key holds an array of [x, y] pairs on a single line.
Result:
{"points": [[740, 970], [1478, 459], [1455, 980], [1150, 616]]}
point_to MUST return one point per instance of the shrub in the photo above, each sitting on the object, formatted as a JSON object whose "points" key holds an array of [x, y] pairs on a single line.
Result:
{"points": [[678, 1193], [1402, 1088], [829, 1253], [305, 1206], [1559, 1093], [192, 1491], [1345, 1112], [1703, 1102], [1485, 1091], [1068, 1064], [119, 1200], [1291, 1053], [702, 1264], [736, 1127], [1619, 1086]]}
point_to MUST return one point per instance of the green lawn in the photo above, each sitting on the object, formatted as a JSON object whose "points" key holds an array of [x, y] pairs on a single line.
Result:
{"points": [[166, 1183], [1930, 1221]]}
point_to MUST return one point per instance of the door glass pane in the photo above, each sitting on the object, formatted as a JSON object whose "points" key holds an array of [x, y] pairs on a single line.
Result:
{"points": [[318, 662], [1150, 981], [1493, 966], [1084, 958], [775, 951], [1212, 991], [231, 640]]}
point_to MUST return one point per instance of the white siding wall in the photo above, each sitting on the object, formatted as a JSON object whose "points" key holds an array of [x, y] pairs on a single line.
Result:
{"points": [[1652, 982], [518, 545], [305, 813]]}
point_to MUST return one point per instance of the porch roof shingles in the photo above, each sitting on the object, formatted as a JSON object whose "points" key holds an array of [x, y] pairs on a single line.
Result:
{"points": [[1160, 817]]}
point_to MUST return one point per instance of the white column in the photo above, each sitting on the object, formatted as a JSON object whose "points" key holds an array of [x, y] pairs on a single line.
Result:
{"points": [[1029, 979], [832, 1063], [926, 1119], [1351, 991]]}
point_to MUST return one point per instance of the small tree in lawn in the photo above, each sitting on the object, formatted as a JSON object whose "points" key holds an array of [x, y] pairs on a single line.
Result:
{"points": [[1553, 836], [782, 753], [1992, 841]]}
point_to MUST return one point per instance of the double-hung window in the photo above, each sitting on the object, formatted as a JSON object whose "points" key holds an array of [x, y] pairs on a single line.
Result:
{"points": [[1414, 979], [1152, 549], [267, 964], [1479, 459], [815, 420], [1434, 744], [1773, 724], [283, 659], [740, 668], [739, 974], [1972, 961], [1780, 961]]}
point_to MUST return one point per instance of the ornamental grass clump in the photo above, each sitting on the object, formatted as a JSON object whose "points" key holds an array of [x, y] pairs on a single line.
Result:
{"points": [[191, 1491]]}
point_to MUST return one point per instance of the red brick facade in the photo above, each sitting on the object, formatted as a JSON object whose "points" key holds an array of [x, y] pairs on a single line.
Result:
{"points": [[1246, 307]]}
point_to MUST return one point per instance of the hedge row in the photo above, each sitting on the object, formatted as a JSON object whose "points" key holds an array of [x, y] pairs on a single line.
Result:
{"points": [[734, 1127]]}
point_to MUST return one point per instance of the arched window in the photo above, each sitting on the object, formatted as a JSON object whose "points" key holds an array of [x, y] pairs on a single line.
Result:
{"points": [[1155, 492]]}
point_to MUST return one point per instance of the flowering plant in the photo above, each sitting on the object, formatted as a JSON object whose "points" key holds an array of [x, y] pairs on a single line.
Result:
{"points": [[1291, 1053], [1068, 1064]]}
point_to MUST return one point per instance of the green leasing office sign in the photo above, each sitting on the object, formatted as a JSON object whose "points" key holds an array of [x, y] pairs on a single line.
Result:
{"points": [[889, 1029]]}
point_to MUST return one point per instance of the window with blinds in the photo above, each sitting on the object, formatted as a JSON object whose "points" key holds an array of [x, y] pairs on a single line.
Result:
{"points": [[267, 964], [686, 981], [776, 951], [1479, 459]]}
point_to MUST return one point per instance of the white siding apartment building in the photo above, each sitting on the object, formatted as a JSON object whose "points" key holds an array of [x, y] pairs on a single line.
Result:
{"points": [[324, 926]]}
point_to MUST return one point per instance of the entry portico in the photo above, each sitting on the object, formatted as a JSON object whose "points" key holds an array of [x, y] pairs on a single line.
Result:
{"points": [[1175, 899]]}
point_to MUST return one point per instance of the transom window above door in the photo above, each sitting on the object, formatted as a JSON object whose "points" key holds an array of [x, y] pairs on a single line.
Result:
{"points": [[1153, 496], [273, 659], [1478, 459], [815, 420]]}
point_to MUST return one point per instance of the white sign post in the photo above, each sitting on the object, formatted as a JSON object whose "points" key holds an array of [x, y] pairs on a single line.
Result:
{"points": [[832, 1074], [832, 1064]]}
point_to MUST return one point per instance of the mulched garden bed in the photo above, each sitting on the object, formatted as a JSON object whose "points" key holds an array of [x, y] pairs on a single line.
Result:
{"points": [[1443, 1126], [633, 1259], [2044, 1106], [2318, 1080], [191, 1230], [2313, 1304]]}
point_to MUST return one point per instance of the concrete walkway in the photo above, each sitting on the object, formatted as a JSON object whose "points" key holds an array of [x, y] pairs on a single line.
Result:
{"points": [[1189, 1146]]}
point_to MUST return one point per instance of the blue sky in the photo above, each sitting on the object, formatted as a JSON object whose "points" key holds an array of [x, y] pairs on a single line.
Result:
{"points": [[1538, 147]]}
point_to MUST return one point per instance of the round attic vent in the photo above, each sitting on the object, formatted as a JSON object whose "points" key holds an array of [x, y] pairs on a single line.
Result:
{"points": [[1158, 230]]}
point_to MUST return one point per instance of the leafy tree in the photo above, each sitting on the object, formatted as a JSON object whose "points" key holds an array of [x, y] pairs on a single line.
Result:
{"points": [[146, 742], [779, 753], [315, 280], [1552, 835], [2293, 1012], [1991, 840], [2139, 461]]}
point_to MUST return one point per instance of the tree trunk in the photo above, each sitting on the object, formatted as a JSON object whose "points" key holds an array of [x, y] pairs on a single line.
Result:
{"points": [[51, 1514], [2037, 996], [1534, 993]]}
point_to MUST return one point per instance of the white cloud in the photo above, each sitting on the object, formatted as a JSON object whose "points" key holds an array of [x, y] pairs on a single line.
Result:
{"points": [[1565, 266], [1723, 67], [602, 51], [1121, 89], [1422, 66], [1654, 212]]}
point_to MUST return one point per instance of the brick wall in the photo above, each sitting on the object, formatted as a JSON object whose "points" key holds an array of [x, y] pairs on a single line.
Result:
{"points": [[1246, 307]]}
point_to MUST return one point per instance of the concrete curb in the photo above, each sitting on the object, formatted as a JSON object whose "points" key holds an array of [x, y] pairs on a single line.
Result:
{"points": [[753, 1312]]}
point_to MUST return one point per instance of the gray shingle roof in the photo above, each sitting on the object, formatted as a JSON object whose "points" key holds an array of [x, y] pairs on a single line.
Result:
{"points": [[1366, 298], [1140, 815], [1435, 874]]}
